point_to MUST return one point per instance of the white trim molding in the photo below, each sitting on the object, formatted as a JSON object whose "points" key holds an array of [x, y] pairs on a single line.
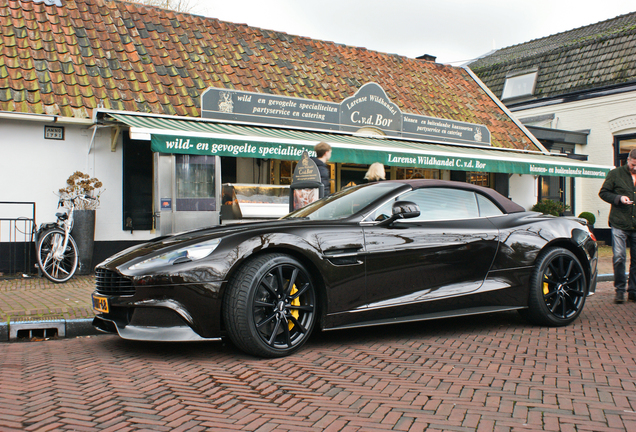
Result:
{"points": [[622, 123]]}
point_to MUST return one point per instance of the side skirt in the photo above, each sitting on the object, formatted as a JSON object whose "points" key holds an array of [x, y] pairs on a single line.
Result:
{"points": [[429, 316]]}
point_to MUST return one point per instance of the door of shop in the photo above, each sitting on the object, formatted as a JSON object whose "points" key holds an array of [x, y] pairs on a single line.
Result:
{"points": [[187, 191]]}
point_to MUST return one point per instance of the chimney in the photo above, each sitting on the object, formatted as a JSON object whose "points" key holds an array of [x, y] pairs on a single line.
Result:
{"points": [[427, 57]]}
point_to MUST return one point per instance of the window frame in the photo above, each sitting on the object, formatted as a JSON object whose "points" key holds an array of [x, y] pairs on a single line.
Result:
{"points": [[371, 216], [517, 79]]}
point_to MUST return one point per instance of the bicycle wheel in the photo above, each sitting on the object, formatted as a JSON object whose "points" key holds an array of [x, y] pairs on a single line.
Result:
{"points": [[57, 265]]}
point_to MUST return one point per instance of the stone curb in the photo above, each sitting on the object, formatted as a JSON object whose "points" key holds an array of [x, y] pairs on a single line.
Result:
{"points": [[71, 328], [83, 326]]}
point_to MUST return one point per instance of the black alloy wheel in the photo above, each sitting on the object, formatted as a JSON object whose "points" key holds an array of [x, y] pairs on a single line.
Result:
{"points": [[558, 288], [270, 306]]}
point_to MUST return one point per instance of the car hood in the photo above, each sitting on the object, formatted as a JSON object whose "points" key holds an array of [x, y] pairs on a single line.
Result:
{"points": [[177, 240]]}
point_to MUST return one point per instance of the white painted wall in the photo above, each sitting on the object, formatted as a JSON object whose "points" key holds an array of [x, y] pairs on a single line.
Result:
{"points": [[33, 169], [523, 190], [602, 117]]}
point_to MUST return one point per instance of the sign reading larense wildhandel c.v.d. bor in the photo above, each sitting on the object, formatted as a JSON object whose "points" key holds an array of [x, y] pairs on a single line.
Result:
{"points": [[267, 148], [370, 107]]}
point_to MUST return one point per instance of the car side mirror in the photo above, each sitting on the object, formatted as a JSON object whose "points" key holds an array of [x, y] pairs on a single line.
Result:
{"points": [[405, 210]]}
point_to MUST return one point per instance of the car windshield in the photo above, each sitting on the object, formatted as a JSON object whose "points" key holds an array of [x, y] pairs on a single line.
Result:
{"points": [[345, 203]]}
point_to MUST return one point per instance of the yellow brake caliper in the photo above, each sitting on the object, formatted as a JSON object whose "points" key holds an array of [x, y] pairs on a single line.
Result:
{"points": [[295, 302], [546, 288]]}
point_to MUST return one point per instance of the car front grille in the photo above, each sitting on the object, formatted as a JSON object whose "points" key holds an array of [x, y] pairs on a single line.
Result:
{"points": [[110, 283]]}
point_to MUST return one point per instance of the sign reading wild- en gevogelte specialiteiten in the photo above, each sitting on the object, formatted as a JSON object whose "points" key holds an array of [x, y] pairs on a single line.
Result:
{"points": [[370, 107]]}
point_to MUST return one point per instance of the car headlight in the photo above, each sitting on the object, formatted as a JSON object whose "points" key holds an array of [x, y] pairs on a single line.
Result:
{"points": [[186, 254]]}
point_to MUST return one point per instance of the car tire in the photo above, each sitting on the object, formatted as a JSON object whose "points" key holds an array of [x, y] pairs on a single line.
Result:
{"points": [[558, 289], [269, 308]]}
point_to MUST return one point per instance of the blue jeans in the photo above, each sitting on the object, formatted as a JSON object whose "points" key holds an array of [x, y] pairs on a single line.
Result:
{"points": [[619, 249]]}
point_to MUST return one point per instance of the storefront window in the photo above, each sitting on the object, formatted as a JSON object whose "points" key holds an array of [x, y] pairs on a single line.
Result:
{"points": [[415, 173], [351, 174], [282, 171], [558, 189], [478, 178], [195, 183]]}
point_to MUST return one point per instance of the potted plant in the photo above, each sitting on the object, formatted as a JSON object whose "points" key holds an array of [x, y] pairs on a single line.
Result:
{"points": [[80, 184]]}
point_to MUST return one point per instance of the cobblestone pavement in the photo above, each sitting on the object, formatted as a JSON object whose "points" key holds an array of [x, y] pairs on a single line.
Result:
{"points": [[36, 303], [486, 373], [38, 298]]}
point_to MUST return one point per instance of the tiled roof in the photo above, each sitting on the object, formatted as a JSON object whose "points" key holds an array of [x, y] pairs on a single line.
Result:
{"points": [[590, 57], [86, 54]]}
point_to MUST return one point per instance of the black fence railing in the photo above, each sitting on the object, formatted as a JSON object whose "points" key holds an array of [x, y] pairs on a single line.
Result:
{"points": [[17, 231]]}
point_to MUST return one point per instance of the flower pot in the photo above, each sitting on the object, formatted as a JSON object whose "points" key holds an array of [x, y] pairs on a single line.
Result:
{"points": [[84, 234]]}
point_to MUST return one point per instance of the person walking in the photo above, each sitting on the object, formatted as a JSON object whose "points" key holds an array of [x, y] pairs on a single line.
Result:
{"points": [[323, 154], [618, 190], [375, 173]]}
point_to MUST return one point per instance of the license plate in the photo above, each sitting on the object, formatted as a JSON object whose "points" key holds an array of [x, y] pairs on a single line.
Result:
{"points": [[100, 304]]}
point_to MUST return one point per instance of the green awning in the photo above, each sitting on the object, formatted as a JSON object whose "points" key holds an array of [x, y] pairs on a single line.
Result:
{"points": [[205, 137]]}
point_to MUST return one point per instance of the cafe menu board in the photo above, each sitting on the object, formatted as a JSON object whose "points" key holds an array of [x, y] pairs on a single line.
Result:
{"points": [[306, 184]]}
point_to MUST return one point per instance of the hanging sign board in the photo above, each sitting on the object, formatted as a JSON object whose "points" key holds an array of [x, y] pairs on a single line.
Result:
{"points": [[369, 108]]}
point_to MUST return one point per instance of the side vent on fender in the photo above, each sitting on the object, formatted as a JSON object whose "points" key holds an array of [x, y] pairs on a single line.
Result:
{"points": [[342, 257]]}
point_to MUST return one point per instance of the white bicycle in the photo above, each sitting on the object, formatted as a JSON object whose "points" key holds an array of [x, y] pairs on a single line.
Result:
{"points": [[56, 251]]}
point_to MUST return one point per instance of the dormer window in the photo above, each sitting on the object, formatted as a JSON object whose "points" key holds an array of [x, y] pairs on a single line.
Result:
{"points": [[520, 83]]}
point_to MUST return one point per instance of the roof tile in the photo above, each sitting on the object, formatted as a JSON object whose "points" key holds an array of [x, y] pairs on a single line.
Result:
{"points": [[575, 60], [134, 57]]}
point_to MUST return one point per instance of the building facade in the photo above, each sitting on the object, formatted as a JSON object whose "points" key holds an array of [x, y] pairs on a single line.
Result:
{"points": [[117, 90], [576, 91]]}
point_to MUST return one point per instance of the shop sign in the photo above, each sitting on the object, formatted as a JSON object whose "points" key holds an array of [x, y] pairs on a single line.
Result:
{"points": [[306, 170], [397, 156], [369, 108]]}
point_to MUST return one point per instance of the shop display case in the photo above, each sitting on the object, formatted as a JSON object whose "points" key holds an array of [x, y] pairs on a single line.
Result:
{"points": [[253, 202]]}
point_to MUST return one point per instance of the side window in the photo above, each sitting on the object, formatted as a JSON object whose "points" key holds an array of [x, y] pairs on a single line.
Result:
{"points": [[487, 207], [382, 213], [443, 203]]}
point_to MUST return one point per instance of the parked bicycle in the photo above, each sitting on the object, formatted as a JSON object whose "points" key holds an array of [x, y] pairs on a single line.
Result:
{"points": [[56, 251]]}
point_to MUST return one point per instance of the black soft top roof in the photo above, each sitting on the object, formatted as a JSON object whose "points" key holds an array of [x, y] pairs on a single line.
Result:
{"points": [[504, 203]]}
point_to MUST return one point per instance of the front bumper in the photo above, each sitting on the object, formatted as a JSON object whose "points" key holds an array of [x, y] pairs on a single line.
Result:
{"points": [[172, 312], [178, 333]]}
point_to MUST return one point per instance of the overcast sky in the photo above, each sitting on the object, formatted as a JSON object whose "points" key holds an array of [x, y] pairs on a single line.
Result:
{"points": [[452, 30]]}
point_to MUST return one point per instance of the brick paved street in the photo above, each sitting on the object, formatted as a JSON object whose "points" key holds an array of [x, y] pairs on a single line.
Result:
{"points": [[38, 298], [485, 373]]}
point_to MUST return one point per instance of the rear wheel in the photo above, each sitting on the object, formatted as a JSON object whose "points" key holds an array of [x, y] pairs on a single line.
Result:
{"points": [[270, 306], [57, 264], [558, 289]]}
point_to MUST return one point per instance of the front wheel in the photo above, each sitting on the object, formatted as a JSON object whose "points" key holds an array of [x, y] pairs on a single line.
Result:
{"points": [[558, 289], [56, 263], [270, 306]]}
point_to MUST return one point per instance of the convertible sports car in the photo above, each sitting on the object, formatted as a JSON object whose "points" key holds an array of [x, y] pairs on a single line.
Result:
{"points": [[387, 252]]}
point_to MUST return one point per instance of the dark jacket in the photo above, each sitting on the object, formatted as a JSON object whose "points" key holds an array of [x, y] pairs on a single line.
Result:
{"points": [[619, 182], [325, 174]]}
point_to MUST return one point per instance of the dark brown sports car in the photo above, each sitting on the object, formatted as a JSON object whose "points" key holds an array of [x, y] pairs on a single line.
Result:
{"points": [[379, 253]]}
